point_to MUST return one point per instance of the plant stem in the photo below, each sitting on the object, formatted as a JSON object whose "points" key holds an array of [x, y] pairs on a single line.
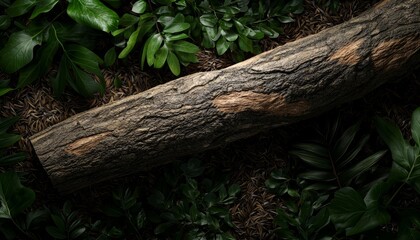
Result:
{"points": [[334, 170]]}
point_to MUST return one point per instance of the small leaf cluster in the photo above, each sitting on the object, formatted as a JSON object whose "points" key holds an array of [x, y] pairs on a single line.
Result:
{"points": [[186, 205], [72, 36], [357, 207], [7, 140], [187, 208]]}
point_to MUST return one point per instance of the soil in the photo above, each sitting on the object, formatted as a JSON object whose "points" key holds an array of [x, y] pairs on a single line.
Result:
{"points": [[250, 161]]}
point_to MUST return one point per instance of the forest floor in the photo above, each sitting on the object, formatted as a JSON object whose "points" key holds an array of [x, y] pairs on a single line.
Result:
{"points": [[249, 162]]}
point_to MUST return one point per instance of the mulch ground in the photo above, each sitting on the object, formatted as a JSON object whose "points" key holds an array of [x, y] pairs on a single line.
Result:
{"points": [[250, 160]]}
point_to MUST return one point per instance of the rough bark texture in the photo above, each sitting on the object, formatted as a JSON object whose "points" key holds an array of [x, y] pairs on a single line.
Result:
{"points": [[204, 110]]}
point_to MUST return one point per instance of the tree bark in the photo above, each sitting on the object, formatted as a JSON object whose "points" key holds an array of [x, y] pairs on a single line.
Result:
{"points": [[204, 110]]}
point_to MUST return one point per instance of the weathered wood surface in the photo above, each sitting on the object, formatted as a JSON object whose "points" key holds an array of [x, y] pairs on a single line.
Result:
{"points": [[292, 82]]}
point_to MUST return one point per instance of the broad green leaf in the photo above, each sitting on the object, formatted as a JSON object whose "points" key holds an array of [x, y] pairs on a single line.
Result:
{"points": [[173, 64], [110, 57], [213, 33], [93, 13], [83, 82], [208, 20], [313, 154], [55, 232], [3, 91], [19, 51], [245, 44], [132, 40], [139, 7], [7, 139], [85, 58], [351, 154], [20, 7], [6, 123], [161, 56], [28, 74], [128, 20], [346, 208], [176, 27], [415, 126], [43, 6], [231, 37], [350, 212], [317, 175], [154, 45], [63, 77], [344, 142], [5, 22], [285, 19], [393, 138], [361, 167], [406, 165], [14, 197], [222, 46], [170, 37], [184, 46], [186, 58], [12, 159], [144, 52]]}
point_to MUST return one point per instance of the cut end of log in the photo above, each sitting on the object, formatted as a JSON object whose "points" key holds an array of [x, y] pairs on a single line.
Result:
{"points": [[273, 103]]}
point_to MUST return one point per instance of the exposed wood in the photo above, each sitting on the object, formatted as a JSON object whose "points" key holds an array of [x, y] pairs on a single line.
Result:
{"points": [[292, 82]]}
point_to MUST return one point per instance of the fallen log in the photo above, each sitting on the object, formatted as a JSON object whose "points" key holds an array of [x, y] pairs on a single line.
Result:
{"points": [[201, 111]]}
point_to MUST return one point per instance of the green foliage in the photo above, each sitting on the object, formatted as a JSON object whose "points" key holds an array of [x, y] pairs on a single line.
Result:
{"points": [[66, 224], [7, 140], [406, 164], [333, 159], [305, 219], [35, 33], [187, 207], [349, 208]]}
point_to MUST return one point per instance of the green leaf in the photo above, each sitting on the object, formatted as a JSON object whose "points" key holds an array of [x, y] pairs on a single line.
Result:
{"points": [[208, 20], [6, 123], [285, 19], [176, 27], [313, 154], [222, 46], [393, 138], [63, 77], [5, 22], [344, 142], [153, 47], [415, 126], [173, 63], [28, 74], [4, 91], [186, 58], [139, 7], [93, 13], [20, 7], [14, 197], [350, 212], [19, 51], [245, 44], [161, 56], [55, 232], [184, 46], [132, 40], [43, 6], [110, 57], [85, 58], [361, 167], [7, 139], [114, 3], [170, 37], [12, 159], [317, 175]]}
